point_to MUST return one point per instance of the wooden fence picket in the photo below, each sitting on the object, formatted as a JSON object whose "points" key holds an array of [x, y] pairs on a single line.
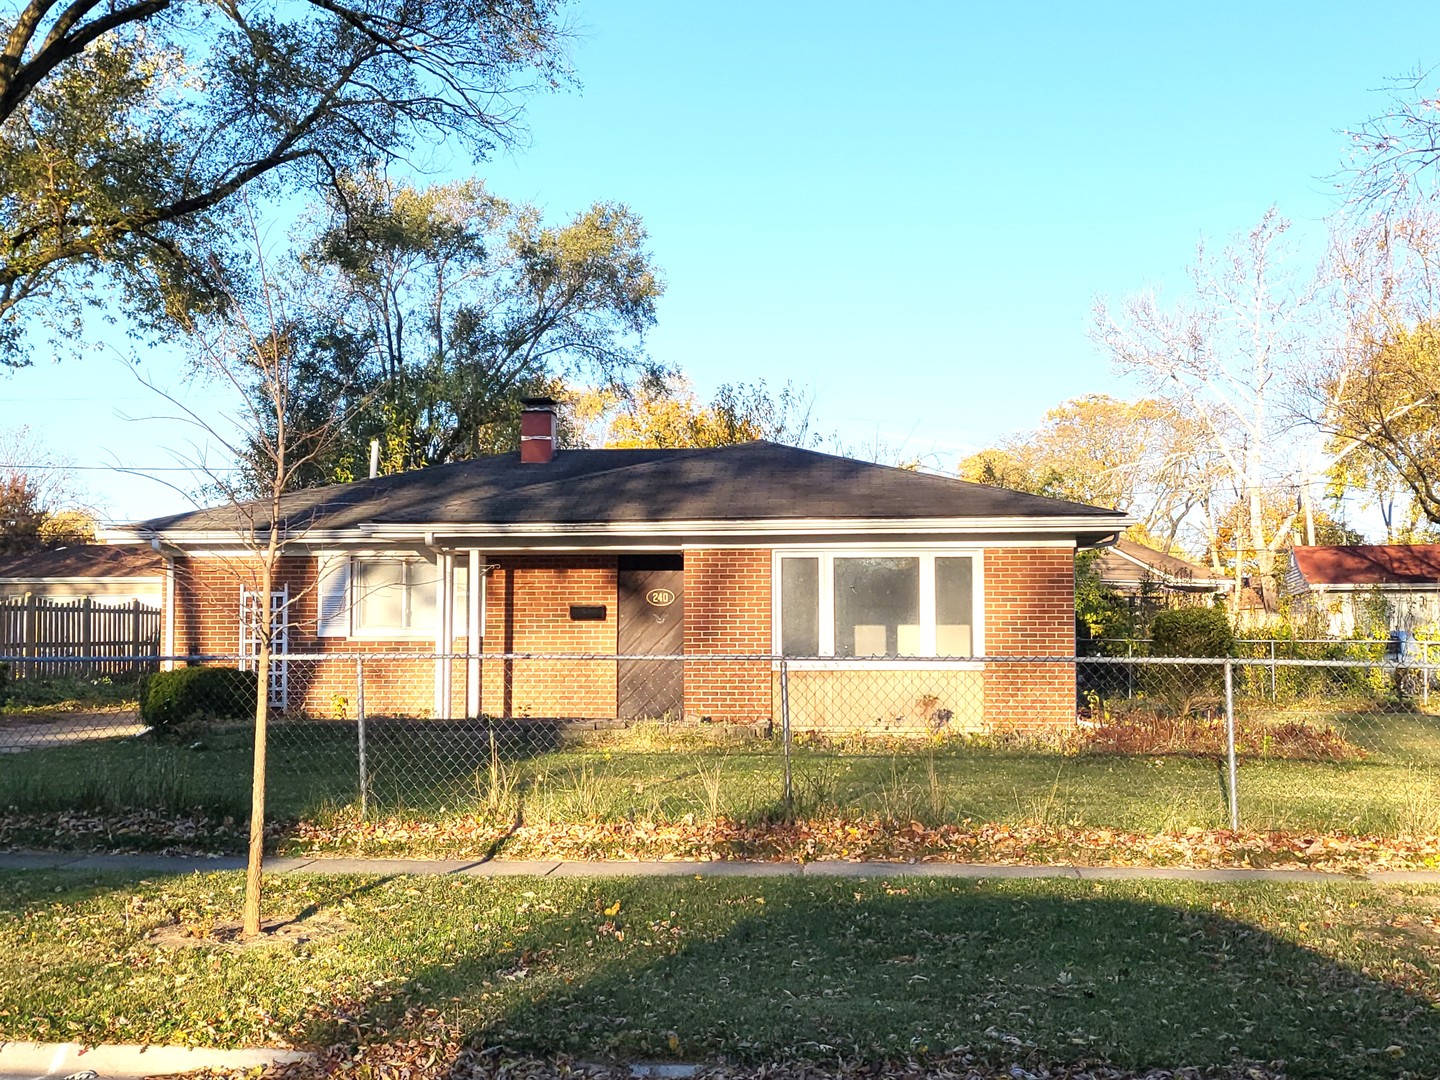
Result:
{"points": [[80, 637]]}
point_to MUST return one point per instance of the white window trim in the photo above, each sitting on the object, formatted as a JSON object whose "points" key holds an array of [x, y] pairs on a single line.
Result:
{"points": [[927, 557], [396, 633]]}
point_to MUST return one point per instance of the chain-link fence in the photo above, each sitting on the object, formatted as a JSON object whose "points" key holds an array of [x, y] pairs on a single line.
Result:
{"points": [[1127, 742]]}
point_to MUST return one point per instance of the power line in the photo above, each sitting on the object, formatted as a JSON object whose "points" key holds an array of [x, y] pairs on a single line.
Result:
{"points": [[118, 468]]}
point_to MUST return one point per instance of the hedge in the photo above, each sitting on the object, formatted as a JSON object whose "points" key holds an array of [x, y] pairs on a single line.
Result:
{"points": [[186, 695]]}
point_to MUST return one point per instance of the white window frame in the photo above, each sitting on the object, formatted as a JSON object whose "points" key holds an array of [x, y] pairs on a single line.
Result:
{"points": [[927, 557], [394, 633]]}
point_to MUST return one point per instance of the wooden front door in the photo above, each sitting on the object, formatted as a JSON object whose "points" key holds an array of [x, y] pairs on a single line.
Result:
{"points": [[651, 610]]}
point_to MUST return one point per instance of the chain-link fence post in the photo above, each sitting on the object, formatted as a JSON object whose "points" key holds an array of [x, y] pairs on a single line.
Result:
{"points": [[1424, 674], [1272, 671], [1230, 743], [785, 736], [360, 735]]}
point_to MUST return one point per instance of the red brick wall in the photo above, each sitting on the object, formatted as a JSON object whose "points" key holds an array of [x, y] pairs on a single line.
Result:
{"points": [[1029, 611], [727, 611], [207, 622], [528, 602]]}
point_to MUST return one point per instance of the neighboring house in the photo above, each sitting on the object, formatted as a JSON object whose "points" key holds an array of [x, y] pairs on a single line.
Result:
{"points": [[1137, 570], [103, 573], [1394, 585], [717, 554]]}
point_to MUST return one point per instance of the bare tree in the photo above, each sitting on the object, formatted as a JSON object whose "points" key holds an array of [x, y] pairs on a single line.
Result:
{"points": [[1394, 153], [41, 502], [254, 350], [1227, 356]]}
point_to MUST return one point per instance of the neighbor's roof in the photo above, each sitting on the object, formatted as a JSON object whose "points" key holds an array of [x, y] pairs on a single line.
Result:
{"points": [[753, 482], [1128, 553], [1131, 563], [83, 561], [1370, 564]]}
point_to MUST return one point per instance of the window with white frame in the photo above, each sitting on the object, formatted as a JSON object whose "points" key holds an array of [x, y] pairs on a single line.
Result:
{"points": [[394, 596], [882, 604], [384, 595]]}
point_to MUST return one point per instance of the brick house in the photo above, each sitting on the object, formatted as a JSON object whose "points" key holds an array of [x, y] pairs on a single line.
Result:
{"points": [[728, 556]]}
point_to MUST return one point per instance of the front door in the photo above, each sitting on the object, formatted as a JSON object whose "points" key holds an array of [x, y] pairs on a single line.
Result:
{"points": [[651, 609]]}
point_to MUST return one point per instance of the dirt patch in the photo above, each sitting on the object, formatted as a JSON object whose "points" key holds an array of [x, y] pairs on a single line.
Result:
{"points": [[60, 714], [284, 930], [1204, 736]]}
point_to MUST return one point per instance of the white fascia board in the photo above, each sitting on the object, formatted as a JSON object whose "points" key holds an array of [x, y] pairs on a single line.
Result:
{"points": [[798, 527], [764, 527], [148, 579]]}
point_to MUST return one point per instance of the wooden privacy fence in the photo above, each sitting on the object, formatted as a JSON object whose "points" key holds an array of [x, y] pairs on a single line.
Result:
{"points": [[80, 637]]}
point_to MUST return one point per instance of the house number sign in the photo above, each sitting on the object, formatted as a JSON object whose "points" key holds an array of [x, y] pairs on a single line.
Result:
{"points": [[660, 598]]}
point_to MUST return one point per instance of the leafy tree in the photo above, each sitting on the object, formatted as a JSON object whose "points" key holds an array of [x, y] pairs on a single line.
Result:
{"points": [[1378, 396], [127, 128], [663, 411], [449, 305], [1147, 457]]}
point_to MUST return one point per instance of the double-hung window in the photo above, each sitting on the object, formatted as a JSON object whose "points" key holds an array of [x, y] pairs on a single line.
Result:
{"points": [[394, 596], [882, 604]]}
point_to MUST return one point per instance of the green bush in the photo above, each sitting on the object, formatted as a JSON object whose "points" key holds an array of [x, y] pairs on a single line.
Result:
{"points": [[169, 699], [4, 683], [1192, 631], [1198, 632]]}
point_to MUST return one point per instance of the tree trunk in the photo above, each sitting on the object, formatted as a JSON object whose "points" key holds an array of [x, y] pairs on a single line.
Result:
{"points": [[250, 922]]}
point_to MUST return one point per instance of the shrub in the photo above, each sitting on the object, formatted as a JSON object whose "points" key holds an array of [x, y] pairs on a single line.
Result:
{"points": [[1198, 632], [4, 682], [1192, 631], [169, 699]]}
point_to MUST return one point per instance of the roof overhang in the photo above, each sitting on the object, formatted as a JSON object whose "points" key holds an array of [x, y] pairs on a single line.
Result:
{"points": [[1084, 531]]}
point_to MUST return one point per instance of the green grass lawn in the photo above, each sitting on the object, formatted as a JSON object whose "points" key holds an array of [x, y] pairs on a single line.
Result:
{"points": [[442, 773], [1336, 980]]}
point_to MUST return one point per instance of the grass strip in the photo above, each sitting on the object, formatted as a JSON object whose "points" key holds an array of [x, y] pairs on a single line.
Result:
{"points": [[1332, 980]]}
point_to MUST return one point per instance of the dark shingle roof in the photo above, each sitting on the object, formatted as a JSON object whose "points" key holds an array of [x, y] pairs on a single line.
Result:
{"points": [[84, 561], [754, 481]]}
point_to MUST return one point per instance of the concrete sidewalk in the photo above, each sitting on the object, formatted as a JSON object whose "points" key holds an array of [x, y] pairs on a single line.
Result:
{"points": [[166, 864], [35, 1061]]}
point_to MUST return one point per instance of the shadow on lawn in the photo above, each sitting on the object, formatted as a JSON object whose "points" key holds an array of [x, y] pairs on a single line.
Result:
{"points": [[863, 971]]}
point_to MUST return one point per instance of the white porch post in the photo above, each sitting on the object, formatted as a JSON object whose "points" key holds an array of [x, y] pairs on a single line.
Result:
{"points": [[475, 585], [167, 643], [445, 635]]}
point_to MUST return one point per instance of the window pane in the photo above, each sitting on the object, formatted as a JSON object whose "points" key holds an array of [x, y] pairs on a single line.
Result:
{"points": [[800, 607], [954, 607], [877, 607], [381, 584], [424, 615]]}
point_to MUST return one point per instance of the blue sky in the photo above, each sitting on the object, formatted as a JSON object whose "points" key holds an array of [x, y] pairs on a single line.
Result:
{"points": [[906, 208]]}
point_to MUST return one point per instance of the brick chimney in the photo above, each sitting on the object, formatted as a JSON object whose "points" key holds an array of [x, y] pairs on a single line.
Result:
{"points": [[537, 429]]}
